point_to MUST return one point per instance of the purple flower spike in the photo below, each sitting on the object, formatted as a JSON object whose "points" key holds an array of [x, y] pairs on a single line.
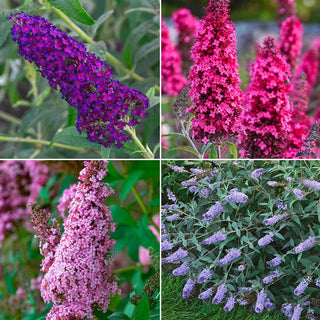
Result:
{"points": [[297, 312], [302, 286], [236, 196], [274, 262], [217, 237], [315, 185], [105, 106], [178, 255], [261, 298], [206, 294], [182, 270], [187, 289], [287, 309], [273, 220], [171, 195], [298, 194], [204, 276], [221, 291], [230, 304], [266, 239], [231, 255], [166, 245], [318, 283], [212, 212], [255, 174], [310, 242], [173, 217]]}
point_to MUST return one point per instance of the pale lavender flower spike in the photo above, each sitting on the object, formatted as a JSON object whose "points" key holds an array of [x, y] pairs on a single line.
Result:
{"points": [[310, 242], [178, 255], [217, 237], [255, 174], [302, 286], [204, 276], [221, 291], [206, 294], [187, 289], [297, 312], [266, 239], [274, 262], [236, 196], [231, 255], [182, 270], [261, 297], [315, 185], [212, 212]]}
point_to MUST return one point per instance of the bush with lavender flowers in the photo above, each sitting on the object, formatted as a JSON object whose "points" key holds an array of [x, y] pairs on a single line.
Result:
{"points": [[259, 101], [263, 249], [80, 81], [106, 241]]}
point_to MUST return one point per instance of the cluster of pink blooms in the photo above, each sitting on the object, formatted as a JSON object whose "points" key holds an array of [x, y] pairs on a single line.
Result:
{"points": [[268, 112], [172, 79], [186, 25], [20, 183], [214, 78], [290, 42], [79, 278]]}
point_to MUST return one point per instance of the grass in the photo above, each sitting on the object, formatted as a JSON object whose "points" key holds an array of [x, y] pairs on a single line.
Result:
{"points": [[174, 307]]}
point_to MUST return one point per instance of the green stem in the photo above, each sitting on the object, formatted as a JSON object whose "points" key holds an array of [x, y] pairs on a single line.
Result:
{"points": [[130, 268], [141, 204], [43, 142], [86, 37], [10, 118], [146, 153]]}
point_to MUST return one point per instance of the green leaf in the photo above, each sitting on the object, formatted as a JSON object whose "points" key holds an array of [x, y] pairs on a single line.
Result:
{"points": [[143, 308], [129, 183], [122, 216], [98, 48], [186, 149], [133, 39], [72, 115], [73, 9], [71, 136], [105, 152], [146, 49], [100, 21], [118, 316], [151, 92], [232, 149], [9, 281], [213, 153], [5, 26]]}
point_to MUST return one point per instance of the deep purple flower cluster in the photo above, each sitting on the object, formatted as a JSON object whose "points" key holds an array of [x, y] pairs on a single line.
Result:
{"points": [[105, 106], [255, 174], [310, 242], [212, 212], [315, 185], [182, 270], [217, 237], [178, 255], [231, 255], [204, 276], [206, 294], [266, 239], [236, 196], [188, 287], [274, 262], [302, 286], [221, 291], [273, 220]]}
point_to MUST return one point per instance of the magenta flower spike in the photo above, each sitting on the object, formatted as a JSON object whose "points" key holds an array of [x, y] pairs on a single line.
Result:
{"points": [[104, 106], [214, 78], [79, 277], [172, 79], [290, 41], [268, 112]]}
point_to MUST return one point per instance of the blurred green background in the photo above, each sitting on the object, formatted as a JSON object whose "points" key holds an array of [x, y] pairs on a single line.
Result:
{"points": [[263, 10]]}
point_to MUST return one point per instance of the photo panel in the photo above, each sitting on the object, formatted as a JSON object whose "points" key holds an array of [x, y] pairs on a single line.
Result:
{"points": [[79, 240], [240, 239]]}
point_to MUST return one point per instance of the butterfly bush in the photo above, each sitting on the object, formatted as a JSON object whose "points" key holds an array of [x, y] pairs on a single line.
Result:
{"points": [[268, 110], [105, 106], [214, 78], [262, 252], [172, 79], [78, 275], [20, 184]]}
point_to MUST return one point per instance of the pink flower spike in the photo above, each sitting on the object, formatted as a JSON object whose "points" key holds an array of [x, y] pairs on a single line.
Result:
{"points": [[214, 78], [266, 118]]}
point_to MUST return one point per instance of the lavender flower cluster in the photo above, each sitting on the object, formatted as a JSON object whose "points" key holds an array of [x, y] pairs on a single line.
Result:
{"points": [[177, 255], [255, 174], [315, 185], [230, 256], [217, 237], [267, 239], [305, 245], [182, 270], [105, 106], [236, 196], [213, 212], [273, 220]]}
